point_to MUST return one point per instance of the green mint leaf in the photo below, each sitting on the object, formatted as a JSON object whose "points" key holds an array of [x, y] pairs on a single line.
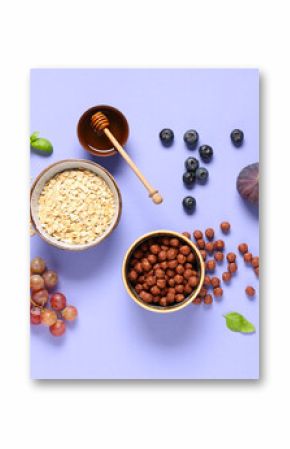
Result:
{"points": [[42, 145], [248, 328], [34, 136], [238, 323]]}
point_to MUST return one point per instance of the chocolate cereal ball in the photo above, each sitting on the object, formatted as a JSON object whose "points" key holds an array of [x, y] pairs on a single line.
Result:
{"points": [[250, 291], [197, 235], [225, 227], [219, 256], [209, 233]]}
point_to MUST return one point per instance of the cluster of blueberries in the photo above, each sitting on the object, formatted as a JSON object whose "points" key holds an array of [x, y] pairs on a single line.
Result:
{"points": [[195, 173]]}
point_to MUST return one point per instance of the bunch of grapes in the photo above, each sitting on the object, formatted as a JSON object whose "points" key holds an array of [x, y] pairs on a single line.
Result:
{"points": [[48, 308]]}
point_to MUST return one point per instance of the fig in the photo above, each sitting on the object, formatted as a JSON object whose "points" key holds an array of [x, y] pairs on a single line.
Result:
{"points": [[248, 183]]}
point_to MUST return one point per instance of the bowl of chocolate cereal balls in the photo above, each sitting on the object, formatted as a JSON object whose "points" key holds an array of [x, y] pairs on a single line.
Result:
{"points": [[163, 271]]}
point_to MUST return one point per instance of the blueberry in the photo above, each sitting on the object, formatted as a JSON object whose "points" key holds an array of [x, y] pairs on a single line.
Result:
{"points": [[189, 178], [206, 153], [189, 204], [166, 136], [237, 137], [201, 175], [191, 164], [191, 138]]}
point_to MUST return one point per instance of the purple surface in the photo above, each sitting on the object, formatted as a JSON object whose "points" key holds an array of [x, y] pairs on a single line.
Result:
{"points": [[113, 337]]}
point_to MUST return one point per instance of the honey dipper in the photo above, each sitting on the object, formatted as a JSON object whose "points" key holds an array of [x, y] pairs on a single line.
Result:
{"points": [[101, 123]]}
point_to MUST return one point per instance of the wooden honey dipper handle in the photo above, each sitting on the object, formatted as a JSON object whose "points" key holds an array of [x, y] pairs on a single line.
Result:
{"points": [[101, 123]]}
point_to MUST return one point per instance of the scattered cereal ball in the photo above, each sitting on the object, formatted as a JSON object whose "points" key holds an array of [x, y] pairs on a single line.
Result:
{"points": [[187, 235], [215, 282], [227, 276], [209, 233], [225, 227], [185, 250], [203, 292], [248, 257], [257, 271], [209, 247], [250, 291], [231, 257], [218, 292], [197, 300], [197, 235], [219, 245], [208, 299], [200, 243], [255, 262], [219, 256], [243, 248], [210, 265], [232, 267], [207, 281]]}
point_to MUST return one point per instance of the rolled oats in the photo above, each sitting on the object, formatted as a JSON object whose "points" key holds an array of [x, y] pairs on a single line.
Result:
{"points": [[76, 206]]}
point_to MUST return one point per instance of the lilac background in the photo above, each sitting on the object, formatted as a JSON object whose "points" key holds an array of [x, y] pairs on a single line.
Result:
{"points": [[114, 338]]}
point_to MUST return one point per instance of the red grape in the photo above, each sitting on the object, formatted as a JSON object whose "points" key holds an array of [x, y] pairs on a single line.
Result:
{"points": [[50, 279], [70, 313], [48, 317], [40, 298], [36, 282], [35, 315], [58, 301], [58, 328], [37, 265]]}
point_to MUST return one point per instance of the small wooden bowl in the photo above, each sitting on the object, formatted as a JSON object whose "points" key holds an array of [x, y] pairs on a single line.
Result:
{"points": [[130, 290], [99, 144], [68, 164]]}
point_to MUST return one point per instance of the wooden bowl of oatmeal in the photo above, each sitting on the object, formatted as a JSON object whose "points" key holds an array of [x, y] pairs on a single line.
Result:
{"points": [[75, 204]]}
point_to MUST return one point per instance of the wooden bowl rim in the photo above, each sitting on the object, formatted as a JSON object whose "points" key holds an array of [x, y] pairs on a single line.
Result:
{"points": [[135, 297], [94, 243]]}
